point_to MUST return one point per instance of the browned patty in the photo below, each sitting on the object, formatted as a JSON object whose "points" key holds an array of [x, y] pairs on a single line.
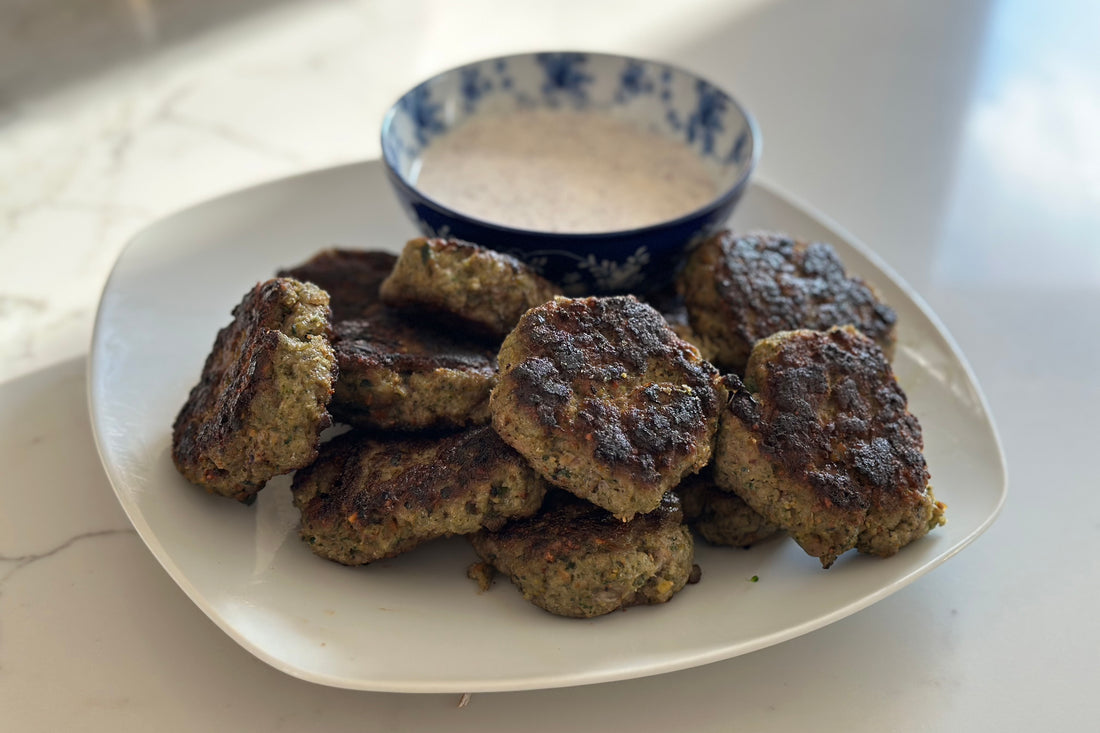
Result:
{"points": [[365, 499], [741, 288], [721, 517], [605, 400], [483, 290], [577, 560], [396, 373], [350, 277], [819, 440], [260, 404], [670, 304]]}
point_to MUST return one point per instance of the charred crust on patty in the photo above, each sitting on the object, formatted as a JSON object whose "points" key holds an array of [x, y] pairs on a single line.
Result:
{"points": [[391, 340], [740, 288], [399, 374], [672, 305], [366, 498], [575, 559], [260, 405], [805, 382], [818, 439], [477, 288], [605, 400]]}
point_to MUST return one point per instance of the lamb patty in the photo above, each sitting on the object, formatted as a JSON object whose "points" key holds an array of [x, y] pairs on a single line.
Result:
{"points": [[577, 560], [819, 440], [260, 404], [605, 401], [365, 499], [486, 291], [742, 288], [397, 374], [397, 371], [670, 304], [350, 277], [722, 518]]}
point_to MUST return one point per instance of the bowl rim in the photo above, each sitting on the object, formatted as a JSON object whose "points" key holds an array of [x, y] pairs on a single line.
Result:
{"points": [[718, 202]]}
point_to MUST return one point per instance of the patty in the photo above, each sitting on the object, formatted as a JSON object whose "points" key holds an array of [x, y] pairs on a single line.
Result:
{"points": [[670, 304], [819, 440], [577, 560], [365, 499], [740, 288], [397, 371], [398, 374], [720, 517], [483, 290], [351, 278], [260, 404], [605, 401]]}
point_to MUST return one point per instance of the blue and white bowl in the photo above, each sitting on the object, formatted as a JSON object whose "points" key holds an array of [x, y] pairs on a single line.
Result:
{"points": [[651, 95]]}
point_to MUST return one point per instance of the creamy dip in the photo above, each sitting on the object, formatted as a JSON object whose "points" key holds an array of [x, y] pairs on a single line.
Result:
{"points": [[563, 171]]}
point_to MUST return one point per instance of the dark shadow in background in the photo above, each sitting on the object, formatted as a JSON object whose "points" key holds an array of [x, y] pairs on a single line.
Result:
{"points": [[47, 45]]}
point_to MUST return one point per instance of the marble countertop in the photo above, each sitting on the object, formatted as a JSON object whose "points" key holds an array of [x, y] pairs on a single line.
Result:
{"points": [[956, 139]]}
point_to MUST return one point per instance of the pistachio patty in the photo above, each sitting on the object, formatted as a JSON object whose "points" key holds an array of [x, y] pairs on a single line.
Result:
{"points": [[260, 404], [575, 559], [819, 440], [366, 498], [481, 289], [742, 288], [400, 374], [605, 400]]}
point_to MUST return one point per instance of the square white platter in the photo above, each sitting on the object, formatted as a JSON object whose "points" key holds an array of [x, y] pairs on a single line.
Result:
{"points": [[416, 623]]}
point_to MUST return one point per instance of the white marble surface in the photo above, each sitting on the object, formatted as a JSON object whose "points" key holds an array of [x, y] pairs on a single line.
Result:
{"points": [[299, 86], [957, 139]]}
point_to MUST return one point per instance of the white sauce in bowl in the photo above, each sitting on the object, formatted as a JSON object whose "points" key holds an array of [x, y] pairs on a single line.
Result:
{"points": [[563, 171]]}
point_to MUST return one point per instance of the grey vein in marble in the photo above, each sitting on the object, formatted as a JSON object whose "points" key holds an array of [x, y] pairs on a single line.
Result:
{"points": [[18, 562]]}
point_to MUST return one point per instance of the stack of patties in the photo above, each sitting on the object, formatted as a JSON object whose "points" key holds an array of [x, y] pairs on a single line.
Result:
{"points": [[607, 402], [473, 389], [398, 370], [817, 440], [416, 340]]}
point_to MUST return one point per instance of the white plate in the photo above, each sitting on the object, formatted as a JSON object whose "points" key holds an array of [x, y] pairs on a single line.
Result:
{"points": [[416, 623]]}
